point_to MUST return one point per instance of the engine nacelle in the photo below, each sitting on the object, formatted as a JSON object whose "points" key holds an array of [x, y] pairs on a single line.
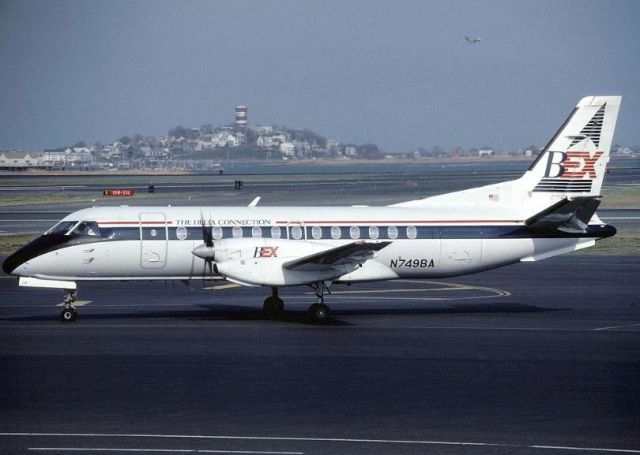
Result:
{"points": [[259, 262]]}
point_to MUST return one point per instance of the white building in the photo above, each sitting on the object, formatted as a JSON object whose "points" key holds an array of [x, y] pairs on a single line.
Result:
{"points": [[77, 156], [288, 149], [301, 146], [273, 140], [53, 158], [486, 152], [225, 139], [20, 160]]}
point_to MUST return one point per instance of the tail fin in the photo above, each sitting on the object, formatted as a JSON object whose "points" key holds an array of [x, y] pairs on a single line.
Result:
{"points": [[571, 165], [574, 161]]}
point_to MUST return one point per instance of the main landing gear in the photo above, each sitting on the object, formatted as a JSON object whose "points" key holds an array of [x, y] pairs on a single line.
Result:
{"points": [[274, 305], [69, 313], [318, 313]]}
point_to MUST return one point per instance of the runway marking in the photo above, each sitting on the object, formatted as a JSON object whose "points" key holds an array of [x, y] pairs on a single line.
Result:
{"points": [[617, 327], [77, 303], [100, 449], [379, 291], [319, 439], [224, 286], [446, 287]]}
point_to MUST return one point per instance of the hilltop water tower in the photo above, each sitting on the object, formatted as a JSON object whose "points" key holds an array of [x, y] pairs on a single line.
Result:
{"points": [[241, 115]]}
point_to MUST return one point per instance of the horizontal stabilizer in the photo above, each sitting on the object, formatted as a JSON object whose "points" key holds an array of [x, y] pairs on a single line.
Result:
{"points": [[354, 252], [568, 215]]}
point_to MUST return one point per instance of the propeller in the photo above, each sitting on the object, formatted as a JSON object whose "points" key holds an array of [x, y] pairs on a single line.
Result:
{"points": [[206, 250]]}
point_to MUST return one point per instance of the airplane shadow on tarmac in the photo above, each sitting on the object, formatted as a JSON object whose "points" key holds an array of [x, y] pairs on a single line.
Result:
{"points": [[251, 313]]}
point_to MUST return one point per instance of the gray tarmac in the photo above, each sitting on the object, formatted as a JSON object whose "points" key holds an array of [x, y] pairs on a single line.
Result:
{"points": [[533, 358]]}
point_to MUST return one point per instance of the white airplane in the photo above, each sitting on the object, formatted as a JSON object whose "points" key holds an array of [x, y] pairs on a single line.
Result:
{"points": [[548, 211], [468, 40]]}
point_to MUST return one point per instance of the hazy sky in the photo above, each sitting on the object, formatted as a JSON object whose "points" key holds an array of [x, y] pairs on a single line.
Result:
{"points": [[389, 72]]}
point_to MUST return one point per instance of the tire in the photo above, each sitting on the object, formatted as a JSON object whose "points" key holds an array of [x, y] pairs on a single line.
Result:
{"points": [[319, 313], [273, 307], [68, 315]]}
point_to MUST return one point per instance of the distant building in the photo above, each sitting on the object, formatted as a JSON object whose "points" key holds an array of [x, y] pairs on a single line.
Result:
{"points": [[225, 139], [53, 158], [288, 149], [273, 140], [625, 151], [241, 115], [20, 160], [77, 156], [486, 152], [350, 150], [263, 130], [333, 146]]}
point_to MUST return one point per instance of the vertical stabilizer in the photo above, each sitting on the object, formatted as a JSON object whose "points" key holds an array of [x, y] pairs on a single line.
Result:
{"points": [[574, 161]]}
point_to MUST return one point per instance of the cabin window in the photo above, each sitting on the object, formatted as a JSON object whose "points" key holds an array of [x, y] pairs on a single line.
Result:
{"points": [[316, 232], [373, 232], [296, 232], [181, 233], [411, 232], [275, 232], [87, 228], [256, 232], [354, 232], [216, 233], [335, 232], [62, 227], [392, 232], [236, 232]]}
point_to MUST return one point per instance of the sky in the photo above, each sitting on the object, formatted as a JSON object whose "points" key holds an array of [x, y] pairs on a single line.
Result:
{"points": [[391, 73]]}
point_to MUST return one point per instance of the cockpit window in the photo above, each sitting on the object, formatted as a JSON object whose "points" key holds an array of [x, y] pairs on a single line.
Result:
{"points": [[62, 227], [87, 228]]}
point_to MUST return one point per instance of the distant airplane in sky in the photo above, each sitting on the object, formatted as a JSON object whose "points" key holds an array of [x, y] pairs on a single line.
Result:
{"points": [[468, 40]]}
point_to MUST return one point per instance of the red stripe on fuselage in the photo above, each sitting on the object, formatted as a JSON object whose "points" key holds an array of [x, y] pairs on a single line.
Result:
{"points": [[399, 221], [133, 222]]}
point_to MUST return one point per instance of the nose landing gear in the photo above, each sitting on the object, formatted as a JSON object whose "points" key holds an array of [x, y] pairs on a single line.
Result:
{"points": [[69, 313]]}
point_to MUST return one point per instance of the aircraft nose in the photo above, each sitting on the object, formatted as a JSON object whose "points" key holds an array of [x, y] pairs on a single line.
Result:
{"points": [[11, 263], [41, 245], [14, 261]]}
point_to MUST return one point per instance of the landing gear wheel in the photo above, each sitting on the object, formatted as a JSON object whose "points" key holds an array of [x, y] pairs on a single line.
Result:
{"points": [[273, 307], [319, 313], [68, 315]]}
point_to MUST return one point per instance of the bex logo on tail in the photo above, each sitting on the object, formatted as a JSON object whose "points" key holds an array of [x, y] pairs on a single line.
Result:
{"points": [[572, 165]]}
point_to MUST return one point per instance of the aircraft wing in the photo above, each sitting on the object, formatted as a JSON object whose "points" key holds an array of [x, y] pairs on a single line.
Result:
{"points": [[568, 215], [354, 252]]}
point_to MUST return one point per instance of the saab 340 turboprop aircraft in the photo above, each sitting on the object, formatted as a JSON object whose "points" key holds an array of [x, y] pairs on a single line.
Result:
{"points": [[548, 211]]}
